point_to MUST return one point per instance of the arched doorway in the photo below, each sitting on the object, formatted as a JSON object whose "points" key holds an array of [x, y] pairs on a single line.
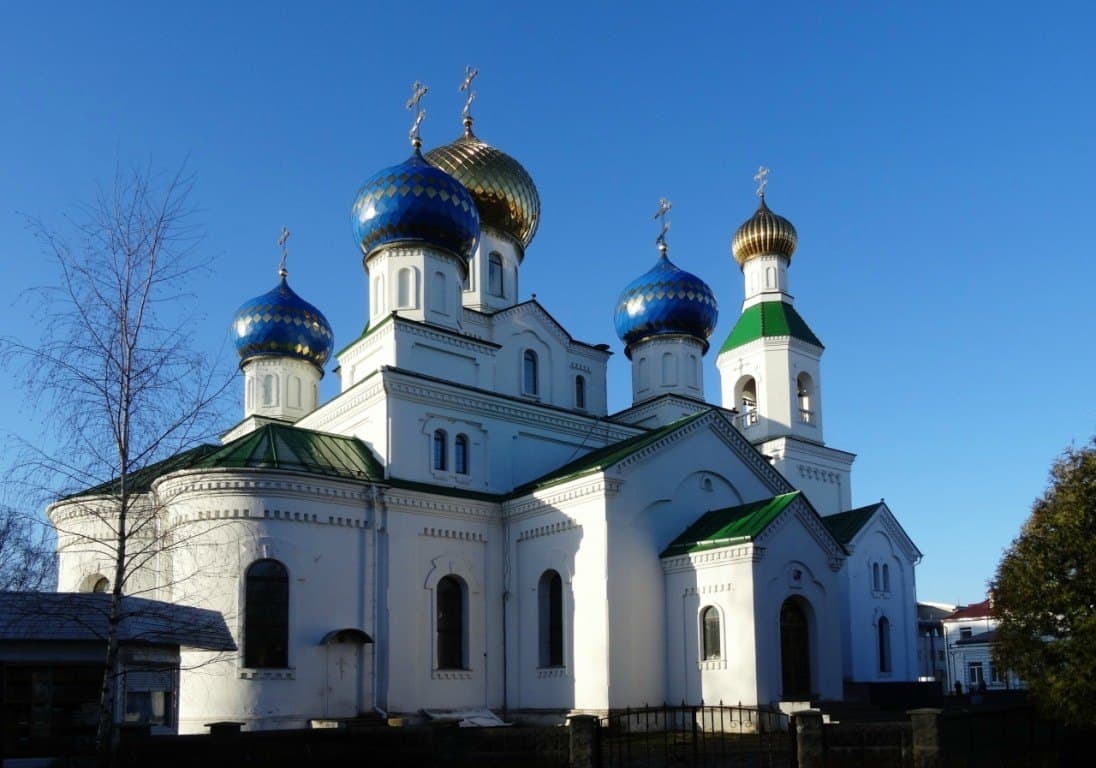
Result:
{"points": [[795, 650]]}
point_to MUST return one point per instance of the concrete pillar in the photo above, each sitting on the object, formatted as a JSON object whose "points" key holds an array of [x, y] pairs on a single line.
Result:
{"points": [[583, 730], [926, 737], [808, 738]]}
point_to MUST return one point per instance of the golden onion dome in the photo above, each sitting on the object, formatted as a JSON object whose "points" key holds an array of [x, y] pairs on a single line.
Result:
{"points": [[764, 233], [504, 192]]}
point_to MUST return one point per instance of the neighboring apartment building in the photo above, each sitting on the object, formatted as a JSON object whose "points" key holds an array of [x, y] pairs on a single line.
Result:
{"points": [[969, 633]]}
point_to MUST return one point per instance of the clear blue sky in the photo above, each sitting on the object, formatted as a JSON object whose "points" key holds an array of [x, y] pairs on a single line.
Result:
{"points": [[937, 159]]}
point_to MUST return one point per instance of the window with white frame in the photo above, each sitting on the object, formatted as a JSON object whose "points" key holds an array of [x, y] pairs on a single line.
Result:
{"points": [[709, 634], [530, 382], [440, 450], [460, 454], [550, 607], [451, 641]]}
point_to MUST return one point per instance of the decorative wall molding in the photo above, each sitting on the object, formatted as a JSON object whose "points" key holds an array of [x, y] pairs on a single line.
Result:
{"points": [[710, 589], [422, 502], [546, 672], [561, 496], [548, 530], [448, 533], [359, 397], [712, 558], [711, 665], [451, 674]]}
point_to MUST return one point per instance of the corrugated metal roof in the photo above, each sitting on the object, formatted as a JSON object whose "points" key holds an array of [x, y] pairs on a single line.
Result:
{"points": [[72, 616], [980, 610], [280, 446], [733, 525]]}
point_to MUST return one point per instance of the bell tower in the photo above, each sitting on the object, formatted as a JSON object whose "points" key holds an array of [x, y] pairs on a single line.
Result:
{"points": [[770, 365]]}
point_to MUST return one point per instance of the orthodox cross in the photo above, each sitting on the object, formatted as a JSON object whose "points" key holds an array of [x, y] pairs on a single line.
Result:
{"points": [[283, 240], [469, 75], [762, 178], [664, 207], [418, 90]]}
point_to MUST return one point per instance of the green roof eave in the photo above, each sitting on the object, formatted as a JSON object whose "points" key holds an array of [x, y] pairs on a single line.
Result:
{"points": [[732, 525], [845, 525], [766, 320], [366, 332], [141, 480]]}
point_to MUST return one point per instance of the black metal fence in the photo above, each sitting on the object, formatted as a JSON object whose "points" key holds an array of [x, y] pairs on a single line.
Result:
{"points": [[701, 735]]}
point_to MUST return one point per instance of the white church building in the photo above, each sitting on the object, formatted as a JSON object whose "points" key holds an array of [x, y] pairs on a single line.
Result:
{"points": [[465, 525]]}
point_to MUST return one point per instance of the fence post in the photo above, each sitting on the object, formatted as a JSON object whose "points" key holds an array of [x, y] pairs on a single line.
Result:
{"points": [[583, 745], [808, 738], [926, 737]]}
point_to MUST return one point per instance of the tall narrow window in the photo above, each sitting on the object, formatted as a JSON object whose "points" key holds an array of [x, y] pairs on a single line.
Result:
{"points": [[406, 288], [295, 391], [440, 457], [529, 373], [450, 599], [550, 603], [494, 275], [875, 576], [378, 296], [641, 374], [691, 377], [266, 615], [804, 392], [884, 645], [669, 370], [440, 299], [270, 390], [460, 455], [580, 392], [709, 627], [886, 577]]}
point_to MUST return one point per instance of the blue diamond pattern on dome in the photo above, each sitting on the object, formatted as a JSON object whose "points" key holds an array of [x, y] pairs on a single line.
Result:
{"points": [[415, 202], [282, 324], [666, 300]]}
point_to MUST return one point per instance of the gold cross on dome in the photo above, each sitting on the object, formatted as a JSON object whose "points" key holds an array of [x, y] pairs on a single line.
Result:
{"points": [[470, 74], [762, 178], [418, 90], [283, 239], [664, 207]]}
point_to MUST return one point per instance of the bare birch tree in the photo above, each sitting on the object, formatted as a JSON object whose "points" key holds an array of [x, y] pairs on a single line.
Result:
{"points": [[119, 382]]}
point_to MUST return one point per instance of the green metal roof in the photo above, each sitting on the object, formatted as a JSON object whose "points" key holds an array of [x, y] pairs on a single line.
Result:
{"points": [[603, 458], [141, 480], [845, 525], [279, 446], [733, 525], [767, 319]]}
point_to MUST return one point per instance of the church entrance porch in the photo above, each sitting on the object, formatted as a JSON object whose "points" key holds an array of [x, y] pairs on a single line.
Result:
{"points": [[795, 650]]}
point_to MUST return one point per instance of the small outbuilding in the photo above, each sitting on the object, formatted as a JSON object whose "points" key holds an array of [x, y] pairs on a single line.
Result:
{"points": [[52, 650]]}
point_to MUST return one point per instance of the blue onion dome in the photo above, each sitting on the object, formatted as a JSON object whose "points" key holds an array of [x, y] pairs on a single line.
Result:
{"points": [[282, 324], [503, 190], [414, 202], [665, 300], [764, 233]]}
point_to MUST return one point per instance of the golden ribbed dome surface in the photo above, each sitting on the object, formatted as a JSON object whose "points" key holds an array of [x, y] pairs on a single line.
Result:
{"points": [[504, 192], [763, 233]]}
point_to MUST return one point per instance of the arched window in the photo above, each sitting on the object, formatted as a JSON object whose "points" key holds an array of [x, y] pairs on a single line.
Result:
{"points": [[466, 280], [441, 462], [804, 392], [102, 584], [440, 297], [669, 369], [550, 602], [450, 599], [378, 296], [875, 576], [770, 277], [406, 288], [883, 626], [580, 392], [886, 577], [642, 374], [270, 390], [295, 391], [266, 615], [694, 365], [709, 628], [460, 455], [746, 399], [529, 378], [494, 275]]}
